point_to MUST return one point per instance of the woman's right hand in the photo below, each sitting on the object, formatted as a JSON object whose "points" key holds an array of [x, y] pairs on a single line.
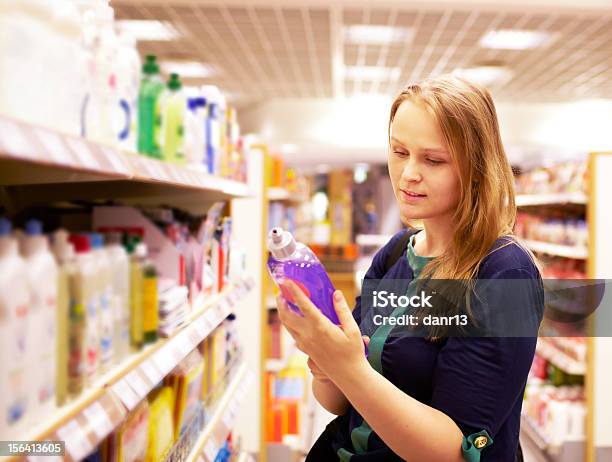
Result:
{"points": [[318, 374]]}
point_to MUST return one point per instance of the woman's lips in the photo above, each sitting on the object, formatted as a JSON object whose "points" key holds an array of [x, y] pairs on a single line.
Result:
{"points": [[411, 197]]}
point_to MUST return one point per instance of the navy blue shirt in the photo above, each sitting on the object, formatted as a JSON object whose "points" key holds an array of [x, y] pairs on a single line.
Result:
{"points": [[478, 382]]}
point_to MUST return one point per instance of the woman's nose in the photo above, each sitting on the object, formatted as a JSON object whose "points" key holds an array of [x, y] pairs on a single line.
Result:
{"points": [[411, 172]]}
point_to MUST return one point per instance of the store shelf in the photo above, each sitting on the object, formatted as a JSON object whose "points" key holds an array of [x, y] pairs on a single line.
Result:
{"points": [[245, 457], [34, 161], [559, 250], [281, 194], [529, 200], [222, 419], [568, 451], [559, 358], [84, 422], [277, 365]]}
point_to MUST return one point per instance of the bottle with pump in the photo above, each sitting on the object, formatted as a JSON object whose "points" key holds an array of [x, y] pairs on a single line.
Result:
{"points": [[293, 260], [120, 265], [173, 106], [14, 340], [149, 116], [42, 279], [66, 300]]}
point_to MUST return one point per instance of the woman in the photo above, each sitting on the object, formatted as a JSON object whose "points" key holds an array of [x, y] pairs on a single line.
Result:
{"points": [[430, 398]]}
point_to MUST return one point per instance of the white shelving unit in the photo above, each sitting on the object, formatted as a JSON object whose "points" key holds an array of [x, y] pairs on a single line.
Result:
{"points": [[529, 200], [558, 250]]}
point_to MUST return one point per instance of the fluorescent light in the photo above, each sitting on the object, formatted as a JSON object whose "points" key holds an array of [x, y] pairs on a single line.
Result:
{"points": [[187, 69], [513, 39], [485, 75], [376, 35], [372, 72], [142, 29]]}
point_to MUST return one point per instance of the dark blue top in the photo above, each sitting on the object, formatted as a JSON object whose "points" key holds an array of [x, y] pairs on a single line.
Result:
{"points": [[478, 382]]}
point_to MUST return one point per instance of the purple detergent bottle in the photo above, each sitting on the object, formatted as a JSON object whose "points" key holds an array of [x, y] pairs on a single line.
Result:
{"points": [[293, 260]]}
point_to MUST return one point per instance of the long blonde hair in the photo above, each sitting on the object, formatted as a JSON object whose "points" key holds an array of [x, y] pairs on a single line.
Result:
{"points": [[466, 115]]}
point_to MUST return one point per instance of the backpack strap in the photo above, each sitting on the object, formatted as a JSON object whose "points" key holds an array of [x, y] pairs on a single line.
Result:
{"points": [[398, 249]]}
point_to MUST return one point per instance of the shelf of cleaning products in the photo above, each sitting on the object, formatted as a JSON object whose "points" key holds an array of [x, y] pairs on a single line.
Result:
{"points": [[86, 421], [528, 200], [281, 194], [223, 417], [566, 451], [558, 250], [559, 358], [39, 159]]}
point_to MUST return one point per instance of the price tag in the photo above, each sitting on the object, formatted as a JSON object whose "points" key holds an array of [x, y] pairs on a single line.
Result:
{"points": [[138, 385], [54, 146], [164, 360], [115, 159], [14, 141], [200, 327], [98, 420], [86, 157], [77, 444], [183, 344], [161, 171], [194, 334], [151, 371], [127, 396]]}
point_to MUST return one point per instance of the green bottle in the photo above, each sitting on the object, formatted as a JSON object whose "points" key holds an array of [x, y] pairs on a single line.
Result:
{"points": [[173, 104], [149, 116]]}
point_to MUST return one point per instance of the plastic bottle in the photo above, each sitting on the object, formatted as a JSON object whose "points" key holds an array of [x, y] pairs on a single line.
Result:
{"points": [[105, 293], [120, 265], [136, 290], [66, 300], [150, 304], [103, 103], [173, 107], [195, 125], [42, 325], [14, 341], [149, 115], [293, 260], [212, 135], [128, 81], [84, 336]]}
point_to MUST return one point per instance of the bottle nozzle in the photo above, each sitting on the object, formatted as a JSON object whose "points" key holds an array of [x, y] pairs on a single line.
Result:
{"points": [[281, 244]]}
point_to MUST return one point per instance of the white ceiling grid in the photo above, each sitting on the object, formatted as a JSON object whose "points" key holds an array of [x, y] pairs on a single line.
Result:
{"points": [[288, 49]]}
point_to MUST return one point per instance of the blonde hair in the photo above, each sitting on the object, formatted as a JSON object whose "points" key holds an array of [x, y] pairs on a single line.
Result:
{"points": [[486, 210]]}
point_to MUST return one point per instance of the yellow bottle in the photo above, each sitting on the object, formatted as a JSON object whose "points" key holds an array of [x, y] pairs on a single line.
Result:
{"points": [[136, 291]]}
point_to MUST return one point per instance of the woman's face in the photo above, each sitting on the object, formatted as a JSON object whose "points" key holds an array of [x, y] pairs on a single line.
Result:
{"points": [[425, 180]]}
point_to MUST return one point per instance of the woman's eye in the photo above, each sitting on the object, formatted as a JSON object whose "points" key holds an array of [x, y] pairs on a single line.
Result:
{"points": [[435, 161], [401, 153]]}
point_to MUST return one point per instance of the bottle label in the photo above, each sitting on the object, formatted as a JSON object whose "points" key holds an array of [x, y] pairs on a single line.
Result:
{"points": [[149, 304]]}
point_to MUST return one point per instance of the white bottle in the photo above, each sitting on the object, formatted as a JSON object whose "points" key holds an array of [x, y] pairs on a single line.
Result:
{"points": [[105, 295], [42, 325], [67, 90], [14, 300], [85, 356], [120, 264], [65, 256], [195, 131], [213, 130], [128, 84]]}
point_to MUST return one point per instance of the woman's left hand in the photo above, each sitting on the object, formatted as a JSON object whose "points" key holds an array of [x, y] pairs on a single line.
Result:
{"points": [[337, 350]]}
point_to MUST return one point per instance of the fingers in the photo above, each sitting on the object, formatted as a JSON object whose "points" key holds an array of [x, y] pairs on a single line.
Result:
{"points": [[306, 306], [344, 313], [288, 317]]}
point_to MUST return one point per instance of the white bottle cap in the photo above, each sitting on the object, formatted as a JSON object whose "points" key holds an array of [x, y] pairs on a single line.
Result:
{"points": [[281, 244]]}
